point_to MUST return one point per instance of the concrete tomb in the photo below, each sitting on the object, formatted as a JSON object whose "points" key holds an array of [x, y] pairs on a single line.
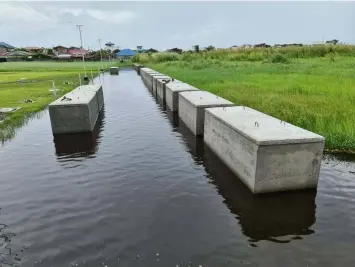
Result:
{"points": [[172, 90], [96, 88], [267, 154], [114, 70], [163, 80], [76, 111], [192, 106]]}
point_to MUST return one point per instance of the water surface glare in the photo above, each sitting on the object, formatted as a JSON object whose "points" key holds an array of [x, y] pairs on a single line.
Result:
{"points": [[142, 191]]}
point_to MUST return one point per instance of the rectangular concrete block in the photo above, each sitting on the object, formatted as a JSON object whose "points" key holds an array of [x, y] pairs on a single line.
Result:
{"points": [[156, 79], [151, 77], [192, 106], [95, 88], [114, 70], [268, 155], [145, 75], [172, 90], [75, 112]]}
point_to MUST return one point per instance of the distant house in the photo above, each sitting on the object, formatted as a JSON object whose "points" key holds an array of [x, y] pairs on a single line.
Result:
{"points": [[18, 56], [57, 50], [34, 49], [125, 53], [77, 52], [334, 41], [264, 45], [151, 50], [4, 47], [4, 50], [175, 50]]}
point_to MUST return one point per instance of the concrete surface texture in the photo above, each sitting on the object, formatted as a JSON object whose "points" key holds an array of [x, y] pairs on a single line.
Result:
{"points": [[192, 106], [75, 112], [95, 88], [172, 93], [145, 74], [161, 93], [114, 70], [151, 78], [266, 154]]}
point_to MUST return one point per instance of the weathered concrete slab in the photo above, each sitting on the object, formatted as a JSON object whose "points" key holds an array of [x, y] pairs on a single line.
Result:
{"points": [[95, 88], [77, 111], [267, 154], [114, 70], [192, 106], [151, 77], [155, 85], [144, 72], [172, 90]]}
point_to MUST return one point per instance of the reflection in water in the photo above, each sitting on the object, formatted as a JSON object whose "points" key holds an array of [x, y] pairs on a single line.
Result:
{"points": [[7, 255], [160, 102], [79, 144], [340, 157], [173, 117], [278, 217]]}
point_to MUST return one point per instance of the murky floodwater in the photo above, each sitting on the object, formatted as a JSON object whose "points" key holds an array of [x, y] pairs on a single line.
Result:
{"points": [[142, 191]]}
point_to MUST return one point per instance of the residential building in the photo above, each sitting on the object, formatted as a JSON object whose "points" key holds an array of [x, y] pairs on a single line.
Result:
{"points": [[4, 50], [77, 52], [58, 50], [34, 49], [125, 53]]}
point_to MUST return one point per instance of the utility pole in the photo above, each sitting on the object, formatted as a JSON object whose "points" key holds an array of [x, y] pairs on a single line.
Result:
{"points": [[102, 66], [86, 78]]}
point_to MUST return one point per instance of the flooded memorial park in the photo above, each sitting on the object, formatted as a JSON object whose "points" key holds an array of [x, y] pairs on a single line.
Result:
{"points": [[142, 190]]}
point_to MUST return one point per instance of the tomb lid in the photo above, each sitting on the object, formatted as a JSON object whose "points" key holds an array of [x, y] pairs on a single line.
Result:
{"points": [[262, 128], [204, 99]]}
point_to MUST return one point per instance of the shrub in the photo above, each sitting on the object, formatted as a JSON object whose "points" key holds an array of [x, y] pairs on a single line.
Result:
{"points": [[279, 58]]}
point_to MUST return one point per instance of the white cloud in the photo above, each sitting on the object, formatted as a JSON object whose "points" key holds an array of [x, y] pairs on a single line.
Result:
{"points": [[113, 17], [17, 14]]}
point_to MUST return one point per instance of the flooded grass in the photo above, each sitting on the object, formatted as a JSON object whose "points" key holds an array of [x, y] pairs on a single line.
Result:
{"points": [[26, 85], [317, 94]]}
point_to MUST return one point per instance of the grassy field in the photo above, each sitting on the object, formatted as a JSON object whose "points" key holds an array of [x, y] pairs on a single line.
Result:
{"points": [[314, 92], [38, 80]]}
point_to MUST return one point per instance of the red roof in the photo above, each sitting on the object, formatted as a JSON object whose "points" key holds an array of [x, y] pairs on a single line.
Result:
{"points": [[77, 51]]}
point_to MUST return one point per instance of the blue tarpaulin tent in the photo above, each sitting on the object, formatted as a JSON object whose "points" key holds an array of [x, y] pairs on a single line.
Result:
{"points": [[125, 53]]}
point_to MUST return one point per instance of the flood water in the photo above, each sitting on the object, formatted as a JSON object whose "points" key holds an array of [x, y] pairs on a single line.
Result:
{"points": [[142, 191]]}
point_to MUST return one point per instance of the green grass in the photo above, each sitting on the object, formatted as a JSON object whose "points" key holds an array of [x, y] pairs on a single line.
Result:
{"points": [[41, 74], [315, 93]]}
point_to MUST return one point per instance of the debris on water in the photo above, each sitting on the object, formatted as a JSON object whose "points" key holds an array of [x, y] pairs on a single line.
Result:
{"points": [[17, 258], [157, 259], [118, 258], [253, 245], [157, 254], [351, 172]]}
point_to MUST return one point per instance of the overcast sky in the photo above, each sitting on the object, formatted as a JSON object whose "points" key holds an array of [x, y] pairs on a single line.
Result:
{"points": [[163, 25]]}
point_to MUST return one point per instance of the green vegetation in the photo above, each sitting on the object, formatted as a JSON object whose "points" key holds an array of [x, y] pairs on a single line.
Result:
{"points": [[38, 81], [312, 86]]}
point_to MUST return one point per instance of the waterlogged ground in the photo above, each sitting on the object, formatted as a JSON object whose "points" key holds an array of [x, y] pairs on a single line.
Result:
{"points": [[141, 191]]}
